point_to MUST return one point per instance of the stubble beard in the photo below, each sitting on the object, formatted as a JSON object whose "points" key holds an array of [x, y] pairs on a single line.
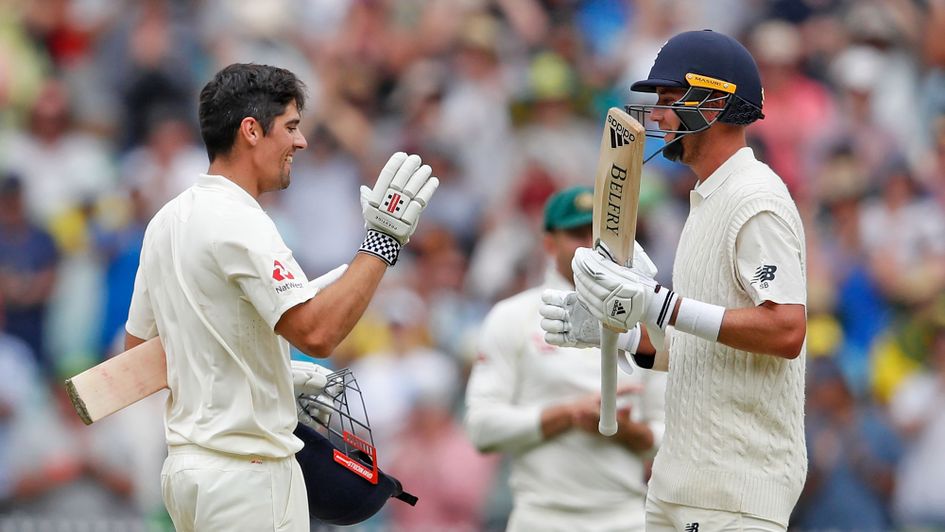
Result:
{"points": [[285, 175]]}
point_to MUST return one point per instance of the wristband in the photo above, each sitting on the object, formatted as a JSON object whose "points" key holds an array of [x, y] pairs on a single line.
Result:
{"points": [[382, 246], [628, 343], [700, 319]]}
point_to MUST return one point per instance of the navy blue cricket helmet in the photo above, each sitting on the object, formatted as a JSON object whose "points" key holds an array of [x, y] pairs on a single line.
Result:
{"points": [[705, 63], [342, 479], [345, 488]]}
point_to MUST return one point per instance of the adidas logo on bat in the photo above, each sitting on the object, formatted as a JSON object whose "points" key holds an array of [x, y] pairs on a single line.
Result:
{"points": [[618, 310], [619, 135]]}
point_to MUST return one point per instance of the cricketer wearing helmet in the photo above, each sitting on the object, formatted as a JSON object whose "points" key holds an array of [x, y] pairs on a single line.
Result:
{"points": [[540, 403], [732, 331]]}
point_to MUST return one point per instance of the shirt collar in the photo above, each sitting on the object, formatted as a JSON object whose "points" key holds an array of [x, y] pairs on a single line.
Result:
{"points": [[228, 187], [737, 161]]}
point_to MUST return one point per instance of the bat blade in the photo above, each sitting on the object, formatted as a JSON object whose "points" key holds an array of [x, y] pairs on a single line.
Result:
{"points": [[118, 382], [616, 197], [617, 185]]}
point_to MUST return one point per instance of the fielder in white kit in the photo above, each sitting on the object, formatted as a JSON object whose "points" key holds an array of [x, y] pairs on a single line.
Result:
{"points": [[540, 403], [219, 285]]}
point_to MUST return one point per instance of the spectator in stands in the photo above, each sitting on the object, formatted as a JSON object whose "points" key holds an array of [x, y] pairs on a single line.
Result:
{"points": [[853, 452], [28, 260], [918, 408]]}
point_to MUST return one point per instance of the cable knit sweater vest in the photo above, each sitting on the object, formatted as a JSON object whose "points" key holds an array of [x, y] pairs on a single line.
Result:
{"points": [[734, 420]]}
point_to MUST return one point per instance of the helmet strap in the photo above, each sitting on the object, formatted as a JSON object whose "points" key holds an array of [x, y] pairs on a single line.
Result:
{"points": [[673, 150]]}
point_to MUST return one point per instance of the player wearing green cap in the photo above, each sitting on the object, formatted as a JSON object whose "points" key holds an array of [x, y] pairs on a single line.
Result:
{"points": [[540, 403]]}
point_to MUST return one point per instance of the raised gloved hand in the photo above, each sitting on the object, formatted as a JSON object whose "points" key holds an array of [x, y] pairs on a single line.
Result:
{"points": [[620, 297], [313, 394], [568, 323], [392, 208]]}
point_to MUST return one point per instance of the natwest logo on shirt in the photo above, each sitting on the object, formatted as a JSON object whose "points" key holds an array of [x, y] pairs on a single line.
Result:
{"points": [[284, 276], [279, 273]]}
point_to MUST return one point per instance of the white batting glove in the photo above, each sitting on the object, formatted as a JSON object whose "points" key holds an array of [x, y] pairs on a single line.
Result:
{"points": [[310, 381], [620, 297], [643, 265], [568, 323], [392, 208], [641, 261], [314, 411]]}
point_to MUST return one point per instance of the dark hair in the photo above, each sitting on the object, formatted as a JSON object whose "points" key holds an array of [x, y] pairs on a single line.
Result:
{"points": [[244, 90]]}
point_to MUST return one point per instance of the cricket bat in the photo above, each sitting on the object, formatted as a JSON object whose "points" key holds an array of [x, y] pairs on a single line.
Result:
{"points": [[119, 381], [616, 197]]}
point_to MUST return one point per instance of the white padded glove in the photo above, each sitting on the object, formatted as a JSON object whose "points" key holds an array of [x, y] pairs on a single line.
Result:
{"points": [[620, 297], [641, 261], [403, 189], [568, 323], [312, 403]]}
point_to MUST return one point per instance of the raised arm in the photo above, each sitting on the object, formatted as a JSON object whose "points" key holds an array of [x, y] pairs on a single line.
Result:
{"points": [[391, 212]]}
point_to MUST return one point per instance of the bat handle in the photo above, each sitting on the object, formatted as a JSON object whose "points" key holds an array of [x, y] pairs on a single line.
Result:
{"points": [[608, 381]]}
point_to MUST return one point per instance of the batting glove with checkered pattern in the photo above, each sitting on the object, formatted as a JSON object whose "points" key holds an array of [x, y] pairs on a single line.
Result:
{"points": [[402, 191]]}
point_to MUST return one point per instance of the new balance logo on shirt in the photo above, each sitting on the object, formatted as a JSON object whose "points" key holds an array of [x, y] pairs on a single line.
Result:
{"points": [[764, 274], [692, 527]]}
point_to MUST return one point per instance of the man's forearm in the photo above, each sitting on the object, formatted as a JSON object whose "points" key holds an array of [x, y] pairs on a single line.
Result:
{"points": [[556, 419], [635, 436], [132, 341], [769, 329], [317, 326]]}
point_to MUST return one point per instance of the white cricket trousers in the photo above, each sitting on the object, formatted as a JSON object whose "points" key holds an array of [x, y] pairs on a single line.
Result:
{"points": [[662, 516], [210, 491], [625, 517]]}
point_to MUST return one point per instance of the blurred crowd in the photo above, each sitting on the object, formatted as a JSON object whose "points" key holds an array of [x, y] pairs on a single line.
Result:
{"points": [[504, 99]]}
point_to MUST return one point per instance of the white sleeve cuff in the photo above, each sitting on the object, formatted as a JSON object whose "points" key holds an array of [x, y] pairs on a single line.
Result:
{"points": [[501, 428], [630, 341], [627, 344]]}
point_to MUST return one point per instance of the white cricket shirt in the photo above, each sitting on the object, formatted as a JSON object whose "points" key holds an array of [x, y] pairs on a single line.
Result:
{"points": [[767, 248], [214, 279], [516, 376], [734, 436]]}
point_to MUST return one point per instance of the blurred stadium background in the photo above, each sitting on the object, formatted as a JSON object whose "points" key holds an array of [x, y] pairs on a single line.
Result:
{"points": [[504, 99]]}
